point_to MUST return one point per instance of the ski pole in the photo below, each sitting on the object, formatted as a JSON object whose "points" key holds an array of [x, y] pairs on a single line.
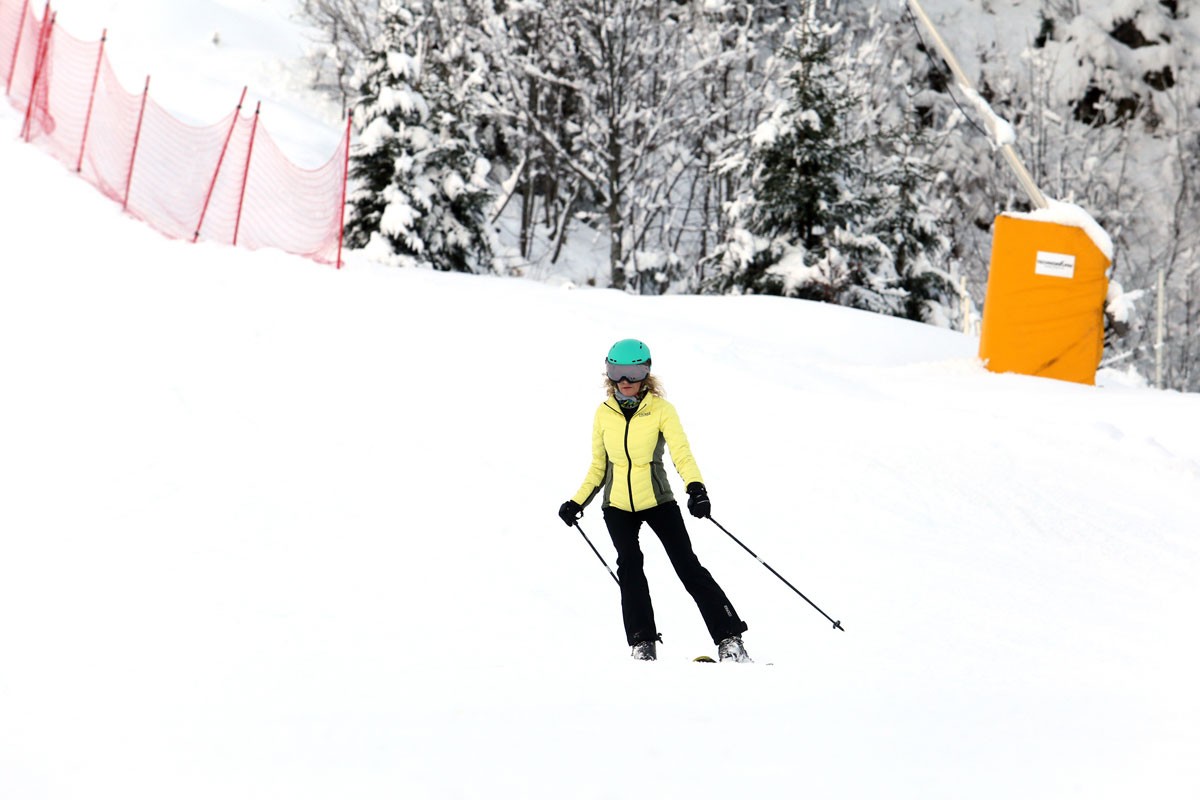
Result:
{"points": [[836, 623], [597, 552]]}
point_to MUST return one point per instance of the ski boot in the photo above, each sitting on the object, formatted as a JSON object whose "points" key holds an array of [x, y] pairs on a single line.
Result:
{"points": [[731, 649], [645, 651]]}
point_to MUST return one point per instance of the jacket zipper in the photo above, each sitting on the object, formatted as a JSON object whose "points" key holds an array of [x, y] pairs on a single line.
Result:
{"points": [[628, 458], [629, 461]]}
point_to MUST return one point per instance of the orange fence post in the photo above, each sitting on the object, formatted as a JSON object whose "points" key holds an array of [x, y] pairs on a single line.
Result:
{"points": [[87, 121], [237, 226], [137, 136], [38, 65], [217, 172]]}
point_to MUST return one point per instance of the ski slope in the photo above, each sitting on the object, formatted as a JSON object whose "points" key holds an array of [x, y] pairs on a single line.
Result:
{"points": [[271, 530]]}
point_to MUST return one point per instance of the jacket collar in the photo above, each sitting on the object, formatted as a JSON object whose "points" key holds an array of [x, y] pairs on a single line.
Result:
{"points": [[615, 405]]}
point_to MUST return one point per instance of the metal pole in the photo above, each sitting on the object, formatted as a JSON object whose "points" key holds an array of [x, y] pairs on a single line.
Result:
{"points": [[237, 226], [39, 67], [836, 624], [137, 138], [87, 121], [237, 112], [597, 552], [1160, 330], [1010, 154]]}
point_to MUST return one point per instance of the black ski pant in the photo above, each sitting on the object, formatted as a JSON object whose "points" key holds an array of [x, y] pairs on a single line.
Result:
{"points": [[636, 609]]}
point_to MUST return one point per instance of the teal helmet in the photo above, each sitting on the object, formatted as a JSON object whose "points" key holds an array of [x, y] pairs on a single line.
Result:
{"points": [[628, 352]]}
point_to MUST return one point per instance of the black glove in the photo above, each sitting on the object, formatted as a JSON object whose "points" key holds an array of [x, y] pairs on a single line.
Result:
{"points": [[698, 503], [569, 512]]}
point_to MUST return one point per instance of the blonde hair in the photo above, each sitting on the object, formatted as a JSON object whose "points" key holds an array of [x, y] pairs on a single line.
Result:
{"points": [[649, 386]]}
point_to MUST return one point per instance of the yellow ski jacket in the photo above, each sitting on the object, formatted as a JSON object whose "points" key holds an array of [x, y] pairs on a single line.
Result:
{"points": [[627, 455]]}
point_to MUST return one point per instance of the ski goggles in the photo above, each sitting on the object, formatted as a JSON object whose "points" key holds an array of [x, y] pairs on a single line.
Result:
{"points": [[633, 373]]}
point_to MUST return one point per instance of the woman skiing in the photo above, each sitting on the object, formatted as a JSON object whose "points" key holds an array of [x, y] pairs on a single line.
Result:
{"points": [[630, 430]]}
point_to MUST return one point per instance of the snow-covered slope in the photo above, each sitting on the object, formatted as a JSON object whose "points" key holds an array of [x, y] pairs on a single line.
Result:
{"points": [[272, 530]]}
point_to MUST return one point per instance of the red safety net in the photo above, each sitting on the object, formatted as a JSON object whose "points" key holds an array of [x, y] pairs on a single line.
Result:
{"points": [[227, 182]]}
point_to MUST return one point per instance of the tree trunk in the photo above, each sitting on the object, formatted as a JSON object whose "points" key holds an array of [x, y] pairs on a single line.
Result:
{"points": [[616, 224]]}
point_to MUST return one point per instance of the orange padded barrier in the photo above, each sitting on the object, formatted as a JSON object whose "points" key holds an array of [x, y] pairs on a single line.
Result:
{"points": [[1044, 310]]}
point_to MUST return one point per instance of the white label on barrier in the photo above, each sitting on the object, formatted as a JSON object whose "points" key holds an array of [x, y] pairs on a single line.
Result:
{"points": [[1055, 265]]}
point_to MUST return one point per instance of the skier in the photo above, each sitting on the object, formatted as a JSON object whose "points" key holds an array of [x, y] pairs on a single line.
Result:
{"points": [[628, 434]]}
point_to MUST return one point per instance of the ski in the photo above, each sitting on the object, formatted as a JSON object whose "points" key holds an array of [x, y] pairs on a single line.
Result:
{"points": [[710, 660]]}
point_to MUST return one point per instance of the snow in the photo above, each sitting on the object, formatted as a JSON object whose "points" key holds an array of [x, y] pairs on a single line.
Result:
{"points": [[769, 131], [453, 185], [1061, 213], [794, 269], [268, 529], [1120, 304], [376, 134], [408, 102], [1000, 131], [398, 217], [402, 65]]}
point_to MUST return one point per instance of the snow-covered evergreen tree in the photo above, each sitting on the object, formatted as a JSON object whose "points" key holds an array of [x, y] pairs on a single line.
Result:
{"points": [[741, 77], [832, 212], [420, 182], [911, 198]]}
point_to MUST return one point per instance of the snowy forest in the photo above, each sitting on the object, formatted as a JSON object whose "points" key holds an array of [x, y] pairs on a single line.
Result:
{"points": [[816, 149]]}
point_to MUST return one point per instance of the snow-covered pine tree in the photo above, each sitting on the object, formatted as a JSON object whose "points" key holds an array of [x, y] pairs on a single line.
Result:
{"points": [[910, 201], [736, 44], [833, 208], [420, 183], [798, 172], [906, 219]]}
